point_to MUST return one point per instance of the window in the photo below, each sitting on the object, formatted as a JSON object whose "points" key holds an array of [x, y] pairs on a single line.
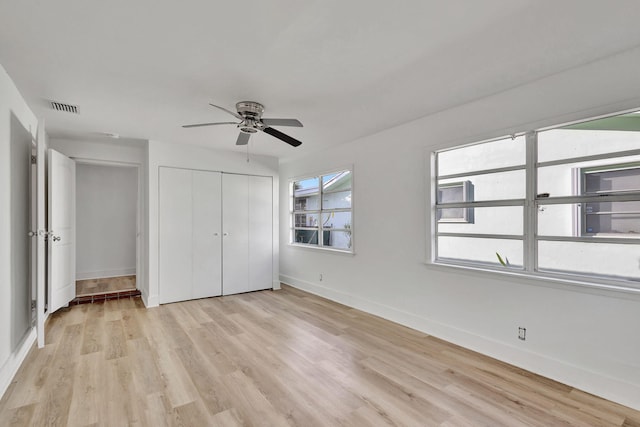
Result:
{"points": [[451, 193], [613, 218], [322, 206], [560, 203]]}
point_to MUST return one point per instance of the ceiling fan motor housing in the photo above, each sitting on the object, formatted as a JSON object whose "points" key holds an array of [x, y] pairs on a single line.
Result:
{"points": [[250, 109]]}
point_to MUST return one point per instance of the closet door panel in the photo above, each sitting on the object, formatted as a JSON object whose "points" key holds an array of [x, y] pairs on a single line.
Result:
{"points": [[260, 233], [175, 235], [235, 219], [207, 235]]}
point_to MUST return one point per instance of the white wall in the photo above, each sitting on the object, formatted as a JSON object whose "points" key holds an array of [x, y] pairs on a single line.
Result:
{"points": [[106, 220], [193, 157], [576, 335], [16, 335]]}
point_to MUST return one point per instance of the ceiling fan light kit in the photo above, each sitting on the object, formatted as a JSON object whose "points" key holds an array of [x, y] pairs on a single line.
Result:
{"points": [[250, 115]]}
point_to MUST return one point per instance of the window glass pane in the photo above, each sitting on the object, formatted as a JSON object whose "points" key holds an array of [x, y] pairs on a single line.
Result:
{"points": [[337, 239], [610, 259], [337, 200], [336, 220], [305, 186], [493, 186], [488, 155], [565, 180], [558, 220], [337, 181], [612, 180], [605, 219], [307, 203], [600, 136], [306, 236], [489, 220], [305, 220], [481, 250], [611, 218], [454, 215], [453, 192]]}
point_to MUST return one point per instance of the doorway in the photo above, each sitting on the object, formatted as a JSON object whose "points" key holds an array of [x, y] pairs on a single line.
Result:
{"points": [[107, 230]]}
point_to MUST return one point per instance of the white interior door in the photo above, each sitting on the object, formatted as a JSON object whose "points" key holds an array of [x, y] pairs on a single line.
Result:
{"points": [[207, 239], [260, 232], [41, 216], [235, 227], [61, 241]]}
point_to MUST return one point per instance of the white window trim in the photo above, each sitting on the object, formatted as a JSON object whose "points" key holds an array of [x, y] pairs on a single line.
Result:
{"points": [[320, 246], [531, 204]]}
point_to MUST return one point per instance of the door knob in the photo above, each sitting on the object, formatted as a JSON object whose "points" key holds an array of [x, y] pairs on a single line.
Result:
{"points": [[216, 234], [225, 234], [56, 238]]}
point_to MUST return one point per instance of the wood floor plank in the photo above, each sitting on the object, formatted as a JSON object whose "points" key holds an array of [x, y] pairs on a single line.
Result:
{"points": [[115, 340], [85, 404], [20, 416], [275, 358], [53, 408]]}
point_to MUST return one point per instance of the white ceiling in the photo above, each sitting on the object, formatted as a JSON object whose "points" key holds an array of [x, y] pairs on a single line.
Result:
{"points": [[346, 69]]}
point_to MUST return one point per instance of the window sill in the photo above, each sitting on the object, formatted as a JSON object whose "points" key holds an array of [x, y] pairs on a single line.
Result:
{"points": [[322, 249], [545, 279]]}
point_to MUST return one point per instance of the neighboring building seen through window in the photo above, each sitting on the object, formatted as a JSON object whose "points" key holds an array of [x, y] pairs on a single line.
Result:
{"points": [[561, 203], [451, 193], [321, 206]]}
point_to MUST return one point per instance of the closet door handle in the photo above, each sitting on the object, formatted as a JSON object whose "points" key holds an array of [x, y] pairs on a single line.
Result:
{"points": [[216, 234], [225, 234]]}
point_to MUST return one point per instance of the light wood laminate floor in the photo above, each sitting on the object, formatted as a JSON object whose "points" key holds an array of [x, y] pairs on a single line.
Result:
{"points": [[105, 285], [274, 359]]}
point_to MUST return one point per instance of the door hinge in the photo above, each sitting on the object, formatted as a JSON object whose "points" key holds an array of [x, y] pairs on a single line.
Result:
{"points": [[34, 159], [33, 304]]}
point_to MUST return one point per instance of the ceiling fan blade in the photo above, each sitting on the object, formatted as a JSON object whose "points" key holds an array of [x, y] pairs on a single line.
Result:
{"points": [[243, 139], [281, 136], [282, 122], [228, 111], [209, 124]]}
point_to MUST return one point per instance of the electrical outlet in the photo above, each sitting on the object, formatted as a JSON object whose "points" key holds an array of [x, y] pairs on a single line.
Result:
{"points": [[522, 333], [321, 277]]}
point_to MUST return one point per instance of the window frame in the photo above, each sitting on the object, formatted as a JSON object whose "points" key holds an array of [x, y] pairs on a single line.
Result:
{"points": [[320, 229], [531, 203]]}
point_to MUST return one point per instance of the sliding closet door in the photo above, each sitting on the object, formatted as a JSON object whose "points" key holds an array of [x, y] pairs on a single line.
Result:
{"points": [[235, 222], [260, 232], [207, 238], [189, 228], [175, 235]]}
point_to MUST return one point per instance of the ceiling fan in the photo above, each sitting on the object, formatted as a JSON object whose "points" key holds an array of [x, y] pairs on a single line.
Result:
{"points": [[251, 121]]}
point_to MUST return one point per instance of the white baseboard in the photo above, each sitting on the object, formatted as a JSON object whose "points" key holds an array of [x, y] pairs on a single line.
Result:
{"points": [[11, 366], [275, 285], [592, 382], [149, 301], [106, 273]]}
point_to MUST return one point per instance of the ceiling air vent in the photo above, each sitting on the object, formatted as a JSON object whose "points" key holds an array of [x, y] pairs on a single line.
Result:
{"points": [[68, 108]]}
